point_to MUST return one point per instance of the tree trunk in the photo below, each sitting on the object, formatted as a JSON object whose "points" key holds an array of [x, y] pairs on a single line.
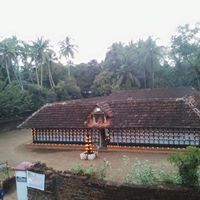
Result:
{"points": [[198, 83], [20, 81], [41, 77], [152, 71], [30, 76], [51, 77], [18, 75], [145, 80], [69, 73], [18, 78], [51, 81], [153, 79], [7, 71], [28, 66], [37, 76], [197, 76]]}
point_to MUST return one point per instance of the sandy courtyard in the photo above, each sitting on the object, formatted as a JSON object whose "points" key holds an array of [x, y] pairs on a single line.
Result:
{"points": [[13, 150]]}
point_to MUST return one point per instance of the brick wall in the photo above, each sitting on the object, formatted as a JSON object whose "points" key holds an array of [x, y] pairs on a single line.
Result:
{"points": [[66, 186], [40, 195]]}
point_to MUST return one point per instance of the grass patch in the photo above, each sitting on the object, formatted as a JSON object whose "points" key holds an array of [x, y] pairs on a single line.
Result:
{"points": [[100, 172], [5, 173], [146, 173], [187, 163], [82, 170]]}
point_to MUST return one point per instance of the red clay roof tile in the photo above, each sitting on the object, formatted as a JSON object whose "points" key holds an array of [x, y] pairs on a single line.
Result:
{"points": [[139, 108]]}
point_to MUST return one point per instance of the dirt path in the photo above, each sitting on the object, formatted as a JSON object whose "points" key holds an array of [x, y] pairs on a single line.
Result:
{"points": [[13, 150]]}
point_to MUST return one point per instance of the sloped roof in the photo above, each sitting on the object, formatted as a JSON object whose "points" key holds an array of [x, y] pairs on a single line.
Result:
{"points": [[154, 113], [156, 93], [139, 108], [60, 115]]}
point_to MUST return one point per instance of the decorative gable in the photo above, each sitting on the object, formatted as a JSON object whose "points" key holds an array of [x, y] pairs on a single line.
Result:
{"points": [[168, 108], [98, 119]]}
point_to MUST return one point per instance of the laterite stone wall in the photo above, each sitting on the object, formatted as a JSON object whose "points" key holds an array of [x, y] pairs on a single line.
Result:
{"points": [[66, 186]]}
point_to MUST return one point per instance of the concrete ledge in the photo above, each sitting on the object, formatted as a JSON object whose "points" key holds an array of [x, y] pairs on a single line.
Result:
{"points": [[65, 185], [144, 149], [78, 147], [56, 146]]}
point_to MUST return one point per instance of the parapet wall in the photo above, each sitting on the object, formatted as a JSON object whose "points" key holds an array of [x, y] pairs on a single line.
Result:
{"points": [[66, 186]]}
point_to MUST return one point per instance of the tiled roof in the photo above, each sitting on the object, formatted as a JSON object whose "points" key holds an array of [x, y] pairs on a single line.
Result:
{"points": [[156, 93], [153, 113], [140, 108]]}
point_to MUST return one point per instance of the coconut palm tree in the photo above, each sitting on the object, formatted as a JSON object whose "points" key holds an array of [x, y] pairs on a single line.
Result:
{"points": [[50, 57], [9, 52], [126, 78], [39, 47], [26, 59], [148, 58], [67, 50], [5, 57]]}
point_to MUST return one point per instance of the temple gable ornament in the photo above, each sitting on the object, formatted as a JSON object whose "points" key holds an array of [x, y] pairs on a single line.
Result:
{"points": [[98, 119]]}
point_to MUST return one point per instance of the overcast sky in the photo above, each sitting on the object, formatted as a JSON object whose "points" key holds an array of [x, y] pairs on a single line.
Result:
{"points": [[95, 24]]}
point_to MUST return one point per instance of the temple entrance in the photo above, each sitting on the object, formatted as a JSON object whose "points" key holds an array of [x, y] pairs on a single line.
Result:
{"points": [[99, 119], [103, 138]]}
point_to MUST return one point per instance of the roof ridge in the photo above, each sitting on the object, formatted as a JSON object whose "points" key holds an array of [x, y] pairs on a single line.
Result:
{"points": [[104, 105], [36, 112], [145, 100], [192, 106]]}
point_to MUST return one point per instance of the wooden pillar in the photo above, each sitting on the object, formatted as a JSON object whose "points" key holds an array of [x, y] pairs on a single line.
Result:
{"points": [[102, 137], [34, 135]]}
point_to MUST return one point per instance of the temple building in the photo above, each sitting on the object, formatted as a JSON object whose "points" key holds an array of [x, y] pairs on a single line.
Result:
{"points": [[167, 117]]}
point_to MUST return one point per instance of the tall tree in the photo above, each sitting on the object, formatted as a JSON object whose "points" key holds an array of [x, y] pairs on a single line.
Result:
{"points": [[115, 57], [9, 52], [5, 59], [50, 57], [117, 61], [26, 57], [40, 47], [135, 64], [186, 50], [67, 51], [148, 58], [85, 74]]}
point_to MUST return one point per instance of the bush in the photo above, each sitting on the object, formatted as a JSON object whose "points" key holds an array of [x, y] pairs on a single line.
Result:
{"points": [[14, 102], [103, 169], [67, 89], [99, 173], [40, 96], [187, 163], [81, 170], [143, 172]]}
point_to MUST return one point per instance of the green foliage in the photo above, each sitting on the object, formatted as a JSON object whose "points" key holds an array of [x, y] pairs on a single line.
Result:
{"points": [[103, 84], [67, 49], [85, 74], [187, 163], [185, 52], [103, 169], [5, 172], [40, 96], [99, 173], [135, 64], [14, 102], [67, 89], [144, 172], [81, 170], [39, 76], [115, 57]]}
